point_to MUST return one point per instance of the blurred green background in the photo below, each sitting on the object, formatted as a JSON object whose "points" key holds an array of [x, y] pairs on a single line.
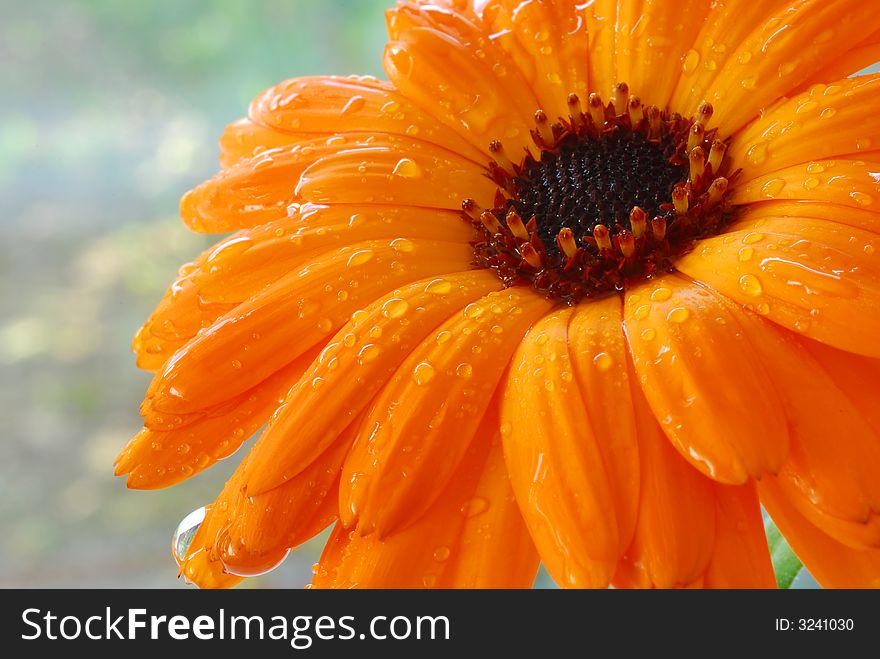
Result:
{"points": [[111, 110]]}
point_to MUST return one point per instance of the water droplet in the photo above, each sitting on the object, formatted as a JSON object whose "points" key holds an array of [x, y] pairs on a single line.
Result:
{"points": [[390, 107], [357, 219], [869, 249], [744, 57], [603, 361], [763, 308], [746, 253], [394, 308], [506, 428], [355, 103], [403, 245], [690, 61], [406, 168], [648, 334], [443, 337], [678, 315], [441, 554], [772, 187], [497, 329], [861, 198], [368, 353], [185, 533], [753, 237], [660, 294], [802, 324], [478, 505], [807, 107], [473, 310], [464, 370], [811, 183], [827, 113], [750, 285], [786, 68], [423, 373], [815, 168], [757, 153], [749, 83], [349, 340], [360, 257], [642, 312], [236, 363], [438, 287], [317, 383], [325, 325]]}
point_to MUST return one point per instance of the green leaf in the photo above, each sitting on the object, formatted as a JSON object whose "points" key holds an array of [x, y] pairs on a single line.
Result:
{"points": [[785, 563]]}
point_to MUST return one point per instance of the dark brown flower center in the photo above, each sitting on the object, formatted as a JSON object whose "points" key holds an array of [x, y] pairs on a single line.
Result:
{"points": [[607, 197]]}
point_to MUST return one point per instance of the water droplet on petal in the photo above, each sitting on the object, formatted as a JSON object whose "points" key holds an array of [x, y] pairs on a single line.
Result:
{"points": [[443, 337], [441, 554], [403, 245], [648, 334], [750, 285], [690, 61], [603, 361], [678, 315], [355, 104], [423, 373], [438, 287], [861, 198], [773, 187], [464, 370], [406, 168], [360, 257], [368, 353], [185, 533], [394, 308]]}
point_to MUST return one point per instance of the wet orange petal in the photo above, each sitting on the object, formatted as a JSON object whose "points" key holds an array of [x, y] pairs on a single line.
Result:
{"points": [[833, 564], [682, 336], [161, 457], [827, 121], [726, 26], [741, 558], [815, 277], [415, 557], [859, 56], [598, 351], [749, 216], [601, 18], [553, 61], [354, 104], [832, 471], [355, 364], [783, 52], [675, 532], [442, 61], [556, 468], [652, 41], [385, 172], [494, 547], [244, 139], [420, 426], [274, 327]]}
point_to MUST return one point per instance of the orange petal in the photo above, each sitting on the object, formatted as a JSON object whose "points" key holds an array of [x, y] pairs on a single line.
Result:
{"points": [[494, 547], [158, 458], [420, 425], [556, 468], [832, 472], [356, 363], [244, 139], [652, 38], [827, 121], [355, 104], [783, 52], [601, 18], [273, 328], [599, 356], [553, 61], [859, 56], [682, 337], [832, 564], [260, 529], [815, 277], [442, 61], [741, 558], [415, 557], [675, 532], [414, 174], [726, 26], [750, 216]]}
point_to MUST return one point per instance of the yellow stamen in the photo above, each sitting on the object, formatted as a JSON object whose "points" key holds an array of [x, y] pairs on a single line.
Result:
{"points": [[603, 241], [717, 190], [470, 207], [654, 121], [567, 243], [697, 160], [680, 199], [635, 111], [575, 111], [638, 220], [658, 228], [544, 129], [716, 155], [704, 113], [497, 151], [695, 136], [597, 111], [516, 226], [491, 222], [530, 255], [619, 96], [626, 243]]}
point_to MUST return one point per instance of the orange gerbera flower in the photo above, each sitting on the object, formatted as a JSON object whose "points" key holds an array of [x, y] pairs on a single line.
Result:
{"points": [[506, 308]]}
